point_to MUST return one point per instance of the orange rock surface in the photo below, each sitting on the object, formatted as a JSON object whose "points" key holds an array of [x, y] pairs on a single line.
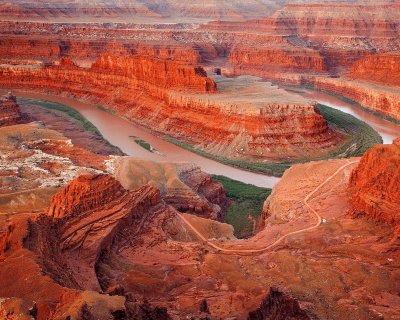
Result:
{"points": [[375, 184], [373, 96], [180, 100], [381, 68], [9, 110], [183, 186], [285, 59]]}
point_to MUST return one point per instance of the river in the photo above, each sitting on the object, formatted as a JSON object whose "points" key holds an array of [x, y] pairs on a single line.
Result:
{"points": [[119, 132], [388, 130]]}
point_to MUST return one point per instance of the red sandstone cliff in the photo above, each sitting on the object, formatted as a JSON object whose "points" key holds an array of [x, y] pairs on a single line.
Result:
{"points": [[373, 96], [160, 73], [9, 110], [381, 68], [375, 184], [94, 211], [258, 59], [315, 37], [83, 194], [169, 97]]}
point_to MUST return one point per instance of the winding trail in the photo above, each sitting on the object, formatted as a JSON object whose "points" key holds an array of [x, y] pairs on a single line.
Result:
{"points": [[252, 251]]}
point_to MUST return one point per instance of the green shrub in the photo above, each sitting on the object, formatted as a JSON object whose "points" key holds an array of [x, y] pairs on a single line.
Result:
{"points": [[247, 200]]}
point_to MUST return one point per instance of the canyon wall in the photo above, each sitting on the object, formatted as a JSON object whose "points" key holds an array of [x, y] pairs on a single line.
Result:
{"points": [[183, 186], [9, 111], [298, 39], [375, 97], [380, 68], [278, 306], [315, 38], [107, 10], [156, 72], [179, 100], [375, 184], [284, 64]]}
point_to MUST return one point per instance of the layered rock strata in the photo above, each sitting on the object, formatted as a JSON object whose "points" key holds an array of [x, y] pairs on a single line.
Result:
{"points": [[376, 97], [380, 68], [375, 184], [10, 113], [183, 186], [94, 211], [174, 99]]}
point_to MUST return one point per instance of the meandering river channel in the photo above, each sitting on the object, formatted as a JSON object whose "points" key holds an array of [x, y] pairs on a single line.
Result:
{"points": [[119, 132]]}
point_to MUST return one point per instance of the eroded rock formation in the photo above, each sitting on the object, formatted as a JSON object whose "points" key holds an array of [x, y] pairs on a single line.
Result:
{"points": [[94, 211], [183, 186], [9, 110], [381, 68], [170, 97], [373, 96], [375, 184]]}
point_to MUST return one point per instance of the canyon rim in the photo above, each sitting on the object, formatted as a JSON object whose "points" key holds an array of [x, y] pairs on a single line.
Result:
{"points": [[199, 160]]}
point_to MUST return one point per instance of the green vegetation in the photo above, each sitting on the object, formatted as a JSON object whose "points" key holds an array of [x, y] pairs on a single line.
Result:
{"points": [[248, 200], [354, 103], [269, 168], [68, 111], [105, 109], [144, 144], [360, 137]]}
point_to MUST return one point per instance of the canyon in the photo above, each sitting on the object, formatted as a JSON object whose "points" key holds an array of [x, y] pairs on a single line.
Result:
{"points": [[299, 43], [92, 230], [215, 115]]}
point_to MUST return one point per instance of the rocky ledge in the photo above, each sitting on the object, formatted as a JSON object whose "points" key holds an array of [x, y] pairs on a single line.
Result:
{"points": [[375, 184], [245, 119], [9, 110]]}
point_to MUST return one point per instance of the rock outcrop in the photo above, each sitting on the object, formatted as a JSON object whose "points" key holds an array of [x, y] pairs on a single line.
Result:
{"points": [[283, 59], [183, 186], [159, 73], [179, 100], [99, 9], [10, 113], [375, 184], [380, 68], [376, 97], [83, 194], [94, 212], [278, 306]]}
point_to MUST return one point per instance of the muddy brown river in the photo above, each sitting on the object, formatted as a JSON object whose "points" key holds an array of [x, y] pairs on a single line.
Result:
{"points": [[119, 132]]}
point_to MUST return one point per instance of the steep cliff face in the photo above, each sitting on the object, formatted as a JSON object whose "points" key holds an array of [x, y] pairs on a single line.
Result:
{"points": [[310, 38], [9, 110], [373, 96], [315, 37], [160, 73], [183, 186], [278, 306], [17, 47], [295, 59], [180, 100], [83, 194], [100, 9], [375, 184], [94, 211], [381, 68]]}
